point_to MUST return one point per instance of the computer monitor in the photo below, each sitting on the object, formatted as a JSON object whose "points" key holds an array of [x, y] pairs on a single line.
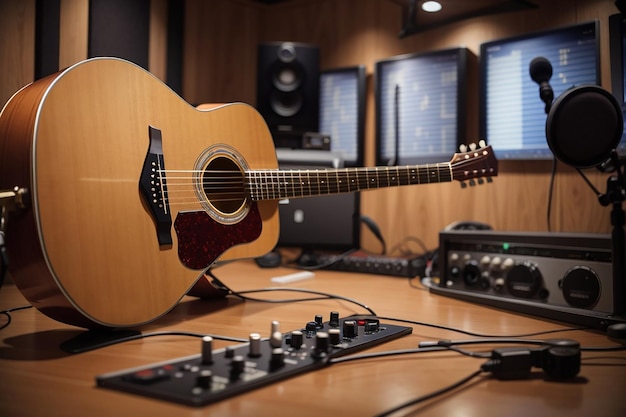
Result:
{"points": [[327, 222], [617, 39], [512, 115], [420, 106], [342, 111]]}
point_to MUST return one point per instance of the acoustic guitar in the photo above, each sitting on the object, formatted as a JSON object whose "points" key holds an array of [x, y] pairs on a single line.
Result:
{"points": [[133, 193]]}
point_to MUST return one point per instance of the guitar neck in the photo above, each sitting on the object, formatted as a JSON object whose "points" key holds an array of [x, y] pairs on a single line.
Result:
{"points": [[279, 184]]}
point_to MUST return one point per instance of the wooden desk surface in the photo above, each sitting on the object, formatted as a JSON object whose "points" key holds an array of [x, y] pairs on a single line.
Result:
{"points": [[38, 379]]}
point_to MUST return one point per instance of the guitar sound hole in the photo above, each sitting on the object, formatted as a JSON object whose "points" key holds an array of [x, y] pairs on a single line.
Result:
{"points": [[223, 185]]}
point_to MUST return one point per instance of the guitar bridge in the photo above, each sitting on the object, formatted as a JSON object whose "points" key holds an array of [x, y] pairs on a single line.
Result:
{"points": [[153, 187]]}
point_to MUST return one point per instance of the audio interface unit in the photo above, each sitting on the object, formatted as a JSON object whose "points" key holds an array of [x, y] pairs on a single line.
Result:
{"points": [[364, 263], [560, 276]]}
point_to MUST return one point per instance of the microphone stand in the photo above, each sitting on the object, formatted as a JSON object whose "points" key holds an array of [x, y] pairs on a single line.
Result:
{"points": [[615, 196]]}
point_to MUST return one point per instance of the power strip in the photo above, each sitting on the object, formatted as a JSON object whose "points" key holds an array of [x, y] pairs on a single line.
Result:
{"points": [[214, 375], [364, 263]]}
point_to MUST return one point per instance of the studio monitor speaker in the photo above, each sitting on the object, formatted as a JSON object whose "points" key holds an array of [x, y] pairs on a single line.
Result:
{"points": [[288, 86]]}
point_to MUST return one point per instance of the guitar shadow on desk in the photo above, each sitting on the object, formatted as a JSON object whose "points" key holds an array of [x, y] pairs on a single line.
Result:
{"points": [[60, 343], [36, 346]]}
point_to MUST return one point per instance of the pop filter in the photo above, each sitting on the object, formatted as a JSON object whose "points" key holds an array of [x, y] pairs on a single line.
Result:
{"points": [[584, 126]]}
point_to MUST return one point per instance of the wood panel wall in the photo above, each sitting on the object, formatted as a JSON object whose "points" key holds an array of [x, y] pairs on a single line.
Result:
{"points": [[220, 47], [17, 46], [351, 32]]}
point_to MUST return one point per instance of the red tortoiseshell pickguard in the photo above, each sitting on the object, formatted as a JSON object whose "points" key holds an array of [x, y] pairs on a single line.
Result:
{"points": [[201, 240]]}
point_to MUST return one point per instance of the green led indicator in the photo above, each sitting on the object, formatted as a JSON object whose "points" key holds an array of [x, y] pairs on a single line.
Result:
{"points": [[506, 246]]}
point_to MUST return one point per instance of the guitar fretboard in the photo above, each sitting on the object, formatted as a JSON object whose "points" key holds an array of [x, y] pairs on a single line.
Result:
{"points": [[279, 184]]}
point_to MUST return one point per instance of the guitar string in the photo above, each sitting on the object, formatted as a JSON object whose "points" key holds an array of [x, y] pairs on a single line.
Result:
{"points": [[282, 177], [235, 185]]}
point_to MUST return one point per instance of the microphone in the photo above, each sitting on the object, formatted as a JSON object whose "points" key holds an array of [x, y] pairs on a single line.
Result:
{"points": [[540, 71]]}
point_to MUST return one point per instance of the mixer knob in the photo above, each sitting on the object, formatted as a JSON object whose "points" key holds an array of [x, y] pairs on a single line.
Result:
{"points": [[229, 352], [276, 340], [523, 280], [275, 327], [508, 263], [204, 379], [334, 319], [237, 366], [255, 345], [277, 359], [485, 261], [496, 263], [207, 350], [321, 344], [297, 339], [334, 336], [276, 337], [350, 329], [372, 326], [311, 328]]}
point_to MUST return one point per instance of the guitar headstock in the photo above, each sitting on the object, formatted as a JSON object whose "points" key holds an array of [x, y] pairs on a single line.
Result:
{"points": [[474, 162]]}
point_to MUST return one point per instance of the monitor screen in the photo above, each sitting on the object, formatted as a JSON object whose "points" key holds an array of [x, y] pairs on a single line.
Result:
{"points": [[617, 38], [512, 116], [326, 222], [342, 111], [420, 106]]}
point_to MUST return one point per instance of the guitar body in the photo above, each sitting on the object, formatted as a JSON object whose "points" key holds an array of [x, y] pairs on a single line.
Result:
{"points": [[87, 251]]}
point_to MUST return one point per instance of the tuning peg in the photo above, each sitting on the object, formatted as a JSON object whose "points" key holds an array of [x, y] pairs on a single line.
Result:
{"points": [[463, 148], [463, 184], [472, 146], [489, 179], [472, 183], [482, 143]]}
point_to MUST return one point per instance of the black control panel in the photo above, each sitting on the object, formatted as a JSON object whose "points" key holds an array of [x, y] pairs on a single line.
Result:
{"points": [[215, 374], [563, 276], [363, 263]]}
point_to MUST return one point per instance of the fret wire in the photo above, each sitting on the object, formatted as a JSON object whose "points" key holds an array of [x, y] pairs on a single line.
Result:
{"points": [[276, 184]]}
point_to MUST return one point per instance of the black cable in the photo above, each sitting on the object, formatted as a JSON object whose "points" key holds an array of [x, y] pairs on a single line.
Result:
{"points": [[371, 224], [323, 265], [323, 295], [589, 183], [438, 326], [7, 314], [550, 192], [178, 333], [431, 394], [412, 351], [506, 340], [4, 258], [491, 340], [603, 348], [417, 240]]}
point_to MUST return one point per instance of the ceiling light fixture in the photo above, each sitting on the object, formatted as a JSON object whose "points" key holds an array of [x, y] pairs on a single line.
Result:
{"points": [[431, 6]]}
